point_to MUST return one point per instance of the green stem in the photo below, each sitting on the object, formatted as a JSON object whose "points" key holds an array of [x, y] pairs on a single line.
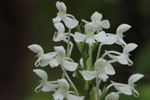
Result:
{"points": [[70, 81], [90, 54], [97, 87], [99, 50], [68, 44]]}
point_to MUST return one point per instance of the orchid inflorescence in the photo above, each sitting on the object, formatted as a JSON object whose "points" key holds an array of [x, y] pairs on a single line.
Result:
{"points": [[93, 75]]}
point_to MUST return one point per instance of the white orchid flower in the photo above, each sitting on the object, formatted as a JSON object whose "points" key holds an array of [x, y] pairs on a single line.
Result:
{"points": [[45, 85], [43, 59], [129, 88], [69, 20], [100, 24], [61, 59], [102, 69], [63, 92], [123, 58], [60, 87], [119, 33], [90, 38], [112, 96], [60, 34]]}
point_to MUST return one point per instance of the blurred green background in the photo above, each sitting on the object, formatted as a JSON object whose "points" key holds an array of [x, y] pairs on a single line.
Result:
{"points": [[23, 22]]}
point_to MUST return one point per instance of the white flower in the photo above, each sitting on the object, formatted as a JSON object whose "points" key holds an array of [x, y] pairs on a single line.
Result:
{"points": [[123, 58], [43, 59], [102, 69], [60, 59], [119, 33], [60, 34], [112, 96], [69, 20], [90, 38], [96, 19], [63, 92], [129, 89], [45, 86], [105, 38], [60, 87]]}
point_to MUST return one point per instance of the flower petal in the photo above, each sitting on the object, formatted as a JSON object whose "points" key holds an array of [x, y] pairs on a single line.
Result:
{"points": [[70, 22], [49, 87], [54, 63], [56, 19], [123, 28], [60, 27], [109, 69], [81, 62], [89, 75], [112, 96], [79, 37], [123, 88], [73, 97], [135, 93], [59, 49], [59, 37], [61, 6], [130, 47], [105, 24], [96, 16], [100, 37], [41, 73], [70, 66], [134, 78], [36, 49], [122, 59]]}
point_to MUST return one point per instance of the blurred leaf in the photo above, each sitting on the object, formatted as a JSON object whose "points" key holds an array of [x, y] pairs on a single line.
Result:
{"points": [[142, 63]]}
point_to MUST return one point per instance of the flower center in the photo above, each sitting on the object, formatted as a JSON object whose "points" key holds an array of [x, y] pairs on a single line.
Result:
{"points": [[99, 67]]}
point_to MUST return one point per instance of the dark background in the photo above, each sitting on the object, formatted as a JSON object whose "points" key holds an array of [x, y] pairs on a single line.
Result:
{"points": [[23, 22]]}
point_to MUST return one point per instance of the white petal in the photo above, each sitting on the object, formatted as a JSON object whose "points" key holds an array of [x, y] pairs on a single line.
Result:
{"points": [[123, 88], [135, 93], [49, 87], [89, 75], [112, 96], [96, 16], [123, 28], [90, 28], [90, 41], [100, 37], [134, 78], [70, 66], [109, 69], [56, 19], [70, 22], [61, 6], [59, 49], [36, 48], [60, 27], [122, 59], [54, 63], [79, 37], [110, 40], [73, 97], [103, 76], [45, 58], [130, 47], [59, 37], [81, 62], [41, 73], [105, 24]]}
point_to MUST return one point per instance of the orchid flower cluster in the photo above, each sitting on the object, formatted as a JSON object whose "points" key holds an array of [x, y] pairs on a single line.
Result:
{"points": [[88, 40]]}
